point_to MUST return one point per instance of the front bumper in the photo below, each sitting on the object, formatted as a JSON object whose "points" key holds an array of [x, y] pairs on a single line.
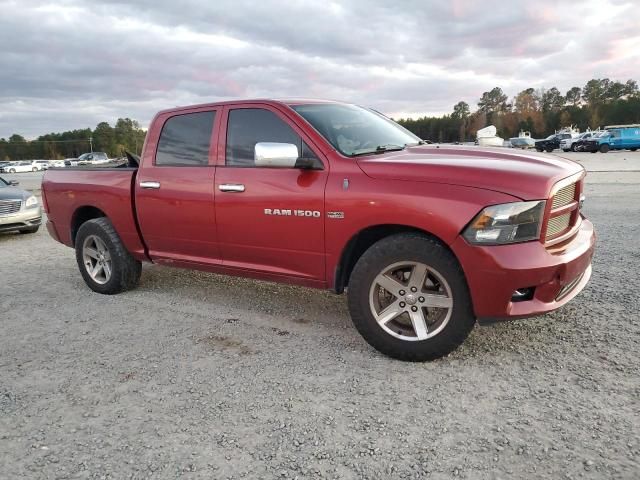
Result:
{"points": [[556, 274], [24, 219]]}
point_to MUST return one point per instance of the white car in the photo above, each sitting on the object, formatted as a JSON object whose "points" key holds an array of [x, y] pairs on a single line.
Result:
{"points": [[569, 144], [17, 167], [42, 164]]}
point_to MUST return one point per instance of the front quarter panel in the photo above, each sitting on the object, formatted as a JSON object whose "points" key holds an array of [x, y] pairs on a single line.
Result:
{"points": [[439, 209]]}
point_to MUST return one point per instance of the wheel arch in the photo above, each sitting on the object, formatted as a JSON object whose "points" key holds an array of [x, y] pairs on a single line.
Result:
{"points": [[82, 215], [362, 241]]}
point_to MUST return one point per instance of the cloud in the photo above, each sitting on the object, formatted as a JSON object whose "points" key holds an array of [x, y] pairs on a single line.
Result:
{"points": [[73, 63]]}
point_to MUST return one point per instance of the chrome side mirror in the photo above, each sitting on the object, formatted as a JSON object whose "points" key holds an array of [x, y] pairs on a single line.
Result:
{"points": [[275, 155]]}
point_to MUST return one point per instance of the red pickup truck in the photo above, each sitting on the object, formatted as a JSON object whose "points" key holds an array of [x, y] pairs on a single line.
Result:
{"points": [[427, 239]]}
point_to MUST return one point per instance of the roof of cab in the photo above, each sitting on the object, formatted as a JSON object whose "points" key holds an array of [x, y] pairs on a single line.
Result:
{"points": [[271, 101]]}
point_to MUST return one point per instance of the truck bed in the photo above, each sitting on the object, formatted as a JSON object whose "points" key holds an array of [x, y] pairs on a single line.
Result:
{"points": [[70, 193]]}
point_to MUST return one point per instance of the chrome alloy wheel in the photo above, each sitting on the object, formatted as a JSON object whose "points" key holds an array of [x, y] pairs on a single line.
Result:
{"points": [[97, 259], [411, 301]]}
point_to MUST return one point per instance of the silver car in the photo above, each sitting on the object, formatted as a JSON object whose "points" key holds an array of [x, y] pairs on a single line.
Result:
{"points": [[19, 210]]}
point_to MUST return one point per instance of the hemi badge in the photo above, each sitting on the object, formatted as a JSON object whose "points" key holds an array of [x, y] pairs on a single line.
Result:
{"points": [[337, 215]]}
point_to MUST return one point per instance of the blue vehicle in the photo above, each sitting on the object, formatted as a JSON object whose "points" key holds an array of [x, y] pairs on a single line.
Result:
{"points": [[616, 137]]}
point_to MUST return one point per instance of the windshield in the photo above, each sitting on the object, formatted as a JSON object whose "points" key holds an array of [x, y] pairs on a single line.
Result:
{"points": [[550, 137], [354, 130], [602, 134]]}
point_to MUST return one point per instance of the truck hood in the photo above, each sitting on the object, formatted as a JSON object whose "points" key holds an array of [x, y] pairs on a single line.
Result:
{"points": [[526, 175]]}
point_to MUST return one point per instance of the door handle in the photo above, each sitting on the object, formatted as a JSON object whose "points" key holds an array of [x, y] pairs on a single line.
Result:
{"points": [[154, 185], [231, 187]]}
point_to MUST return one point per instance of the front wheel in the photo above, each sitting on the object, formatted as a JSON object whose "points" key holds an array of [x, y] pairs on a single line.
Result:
{"points": [[604, 148], [573, 147], [12, 170], [409, 299], [566, 150], [105, 264], [549, 149]]}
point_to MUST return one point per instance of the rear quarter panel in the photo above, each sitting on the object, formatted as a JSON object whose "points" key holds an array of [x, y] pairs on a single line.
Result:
{"points": [[109, 190]]}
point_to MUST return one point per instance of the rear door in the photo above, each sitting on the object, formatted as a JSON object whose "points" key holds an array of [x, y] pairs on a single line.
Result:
{"points": [[270, 220], [174, 188]]}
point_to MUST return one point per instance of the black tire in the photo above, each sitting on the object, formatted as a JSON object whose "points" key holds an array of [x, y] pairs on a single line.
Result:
{"points": [[566, 150], [604, 148], [573, 147], [539, 149], [126, 270], [30, 230], [593, 151], [633, 149], [549, 149], [415, 248]]}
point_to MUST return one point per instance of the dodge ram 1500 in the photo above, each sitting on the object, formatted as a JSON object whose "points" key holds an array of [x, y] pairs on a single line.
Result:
{"points": [[426, 239]]}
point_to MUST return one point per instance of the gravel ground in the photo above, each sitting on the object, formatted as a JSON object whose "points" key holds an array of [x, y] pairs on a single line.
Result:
{"points": [[195, 375]]}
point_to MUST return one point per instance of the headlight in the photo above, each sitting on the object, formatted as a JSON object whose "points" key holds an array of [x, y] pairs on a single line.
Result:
{"points": [[507, 223], [31, 201]]}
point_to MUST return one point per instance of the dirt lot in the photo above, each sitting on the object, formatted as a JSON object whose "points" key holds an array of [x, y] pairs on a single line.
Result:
{"points": [[195, 375]]}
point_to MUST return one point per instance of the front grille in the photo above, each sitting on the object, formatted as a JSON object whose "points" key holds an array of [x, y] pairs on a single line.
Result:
{"points": [[558, 224], [565, 196], [7, 207]]}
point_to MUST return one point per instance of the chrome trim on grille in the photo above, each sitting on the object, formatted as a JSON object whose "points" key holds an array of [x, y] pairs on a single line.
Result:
{"points": [[564, 291], [564, 196], [8, 207], [558, 224]]}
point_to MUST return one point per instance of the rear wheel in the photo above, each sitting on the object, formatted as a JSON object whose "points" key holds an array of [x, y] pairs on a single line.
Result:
{"points": [[604, 148], [409, 299], [633, 149], [539, 149], [12, 170], [566, 149], [573, 147], [105, 264], [549, 149]]}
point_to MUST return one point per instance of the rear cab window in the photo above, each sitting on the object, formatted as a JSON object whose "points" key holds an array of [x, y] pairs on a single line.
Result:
{"points": [[185, 140]]}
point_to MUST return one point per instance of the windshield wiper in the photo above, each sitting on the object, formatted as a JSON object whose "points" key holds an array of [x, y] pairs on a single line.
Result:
{"points": [[379, 149]]}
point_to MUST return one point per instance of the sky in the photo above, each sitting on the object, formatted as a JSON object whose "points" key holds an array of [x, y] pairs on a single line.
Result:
{"points": [[73, 63]]}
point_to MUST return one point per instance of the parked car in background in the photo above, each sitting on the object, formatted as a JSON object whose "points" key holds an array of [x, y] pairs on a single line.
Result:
{"points": [[42, 164], [19, 210], [571, 143], [56, 164], [18, 167], [4, 164], [93, 158], [621, 137], [581, 144], [552, 142]]}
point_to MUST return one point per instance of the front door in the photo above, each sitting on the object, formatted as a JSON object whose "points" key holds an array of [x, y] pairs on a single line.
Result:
{"points": [[270, 220], [174, 189]]}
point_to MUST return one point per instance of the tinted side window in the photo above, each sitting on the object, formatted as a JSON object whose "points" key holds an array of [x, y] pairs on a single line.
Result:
{"points": [[248, 126], [185, 140]]}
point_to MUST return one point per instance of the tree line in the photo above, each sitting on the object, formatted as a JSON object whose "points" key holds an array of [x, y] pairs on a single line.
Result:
{"points": [[125, 135], [540, 111]]}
